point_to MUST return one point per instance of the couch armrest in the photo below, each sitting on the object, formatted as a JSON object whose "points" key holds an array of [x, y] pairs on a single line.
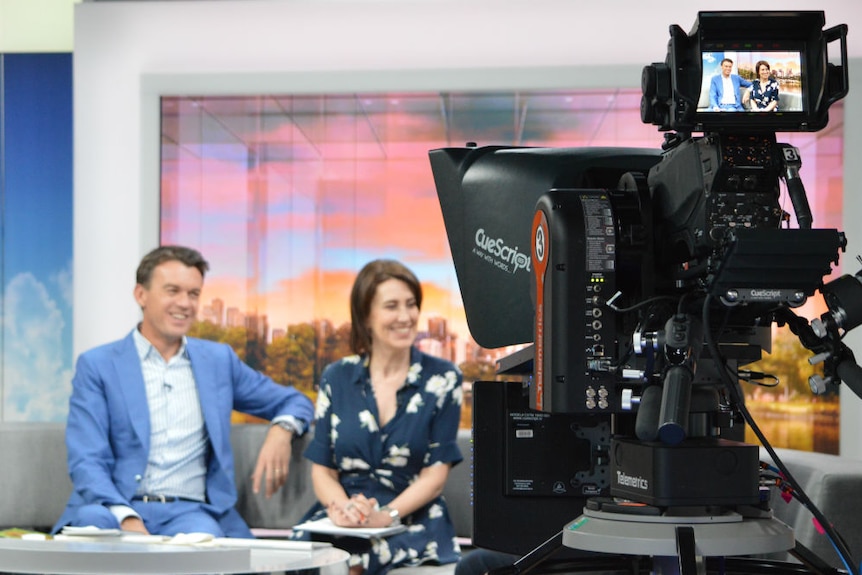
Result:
{"points": [[458, 490], [285, 508]]}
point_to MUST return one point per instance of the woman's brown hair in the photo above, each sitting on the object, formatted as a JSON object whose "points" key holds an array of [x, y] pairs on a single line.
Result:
{"points": [[362, 294]]}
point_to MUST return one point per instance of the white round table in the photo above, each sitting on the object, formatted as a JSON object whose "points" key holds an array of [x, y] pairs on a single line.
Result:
{"points": [[72, 557]]}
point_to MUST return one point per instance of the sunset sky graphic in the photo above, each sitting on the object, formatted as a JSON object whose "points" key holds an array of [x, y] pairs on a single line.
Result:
{"points": [[288, 208]]}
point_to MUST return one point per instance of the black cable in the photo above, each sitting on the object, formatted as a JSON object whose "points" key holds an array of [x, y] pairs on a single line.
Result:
{"points": [[609, 303], [738, 400], [753, 378]]}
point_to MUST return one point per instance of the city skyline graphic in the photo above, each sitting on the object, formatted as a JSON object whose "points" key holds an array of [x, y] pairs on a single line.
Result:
{"points": [[289, 206], [288, 196]]}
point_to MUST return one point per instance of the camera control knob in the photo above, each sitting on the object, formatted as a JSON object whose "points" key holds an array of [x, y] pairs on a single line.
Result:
{"points": [[817, 383], [819, 328], [628, 400]]}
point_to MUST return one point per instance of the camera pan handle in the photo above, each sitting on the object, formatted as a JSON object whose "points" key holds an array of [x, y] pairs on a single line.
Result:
{"points": [[792, 161]]}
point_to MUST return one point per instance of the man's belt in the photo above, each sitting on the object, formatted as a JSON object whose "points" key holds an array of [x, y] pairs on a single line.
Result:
{"points": [[162, 499]]}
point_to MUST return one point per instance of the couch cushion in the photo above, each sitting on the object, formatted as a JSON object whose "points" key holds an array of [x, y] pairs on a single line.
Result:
{"points": [[458, 490], [34, 474], [287, 506]]}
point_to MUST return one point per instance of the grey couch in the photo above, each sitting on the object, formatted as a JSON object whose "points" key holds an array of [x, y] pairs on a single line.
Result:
{"points": [[35, 486], [834, 484], [35, 481]]}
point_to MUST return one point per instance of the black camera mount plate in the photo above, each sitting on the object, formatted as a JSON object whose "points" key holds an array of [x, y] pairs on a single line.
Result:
{"points": [[774, 265]]}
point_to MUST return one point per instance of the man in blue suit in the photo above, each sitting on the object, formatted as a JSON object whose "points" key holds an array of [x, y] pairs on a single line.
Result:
{"points": [[148, 433], [724, 89]]}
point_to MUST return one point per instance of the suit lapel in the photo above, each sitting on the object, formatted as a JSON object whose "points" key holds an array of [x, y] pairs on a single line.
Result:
{"points": [[128, 366], [206, 376]]}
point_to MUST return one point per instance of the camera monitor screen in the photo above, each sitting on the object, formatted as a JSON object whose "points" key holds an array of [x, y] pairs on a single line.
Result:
{"points": [[735, 64], [744, 80]]}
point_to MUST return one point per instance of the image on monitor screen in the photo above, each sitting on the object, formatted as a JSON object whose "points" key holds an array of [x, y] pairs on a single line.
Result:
{"points": [[752, 81]]}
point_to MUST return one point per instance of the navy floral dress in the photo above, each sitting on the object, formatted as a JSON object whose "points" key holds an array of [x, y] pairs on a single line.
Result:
{"points": [[382, 462], [762, 95]]}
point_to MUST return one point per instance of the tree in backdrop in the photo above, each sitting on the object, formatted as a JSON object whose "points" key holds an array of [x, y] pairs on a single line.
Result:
{"points": [[236, 337], [290, 360], [299, 357]]}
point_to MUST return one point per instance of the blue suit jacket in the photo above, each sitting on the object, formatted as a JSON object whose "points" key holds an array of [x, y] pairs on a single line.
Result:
{"points": [[716, 89], [108, 429]]}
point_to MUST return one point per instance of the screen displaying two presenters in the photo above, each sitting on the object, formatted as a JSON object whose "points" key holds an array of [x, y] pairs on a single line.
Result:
{"points": [[752, 81]]}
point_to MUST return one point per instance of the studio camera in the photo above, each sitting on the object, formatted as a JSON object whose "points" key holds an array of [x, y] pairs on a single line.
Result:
{"points": [[642, 282]]}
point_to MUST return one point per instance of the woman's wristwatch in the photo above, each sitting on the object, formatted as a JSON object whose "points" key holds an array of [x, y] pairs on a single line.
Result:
{"points": [[393, 514]]}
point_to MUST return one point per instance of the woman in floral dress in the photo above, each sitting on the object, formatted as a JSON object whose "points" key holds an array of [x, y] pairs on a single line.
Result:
{"points": [[764, 90], [385, 431]]}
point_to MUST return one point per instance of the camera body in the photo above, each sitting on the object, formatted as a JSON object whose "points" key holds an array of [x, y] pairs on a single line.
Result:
{"points": [[631, 251]]}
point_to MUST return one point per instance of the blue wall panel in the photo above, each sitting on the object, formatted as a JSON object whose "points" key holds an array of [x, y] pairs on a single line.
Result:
{"points": [[36, 236]]}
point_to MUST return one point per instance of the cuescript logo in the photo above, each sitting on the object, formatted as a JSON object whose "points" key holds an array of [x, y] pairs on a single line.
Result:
{"points": [[505, 257], [765, 294]]}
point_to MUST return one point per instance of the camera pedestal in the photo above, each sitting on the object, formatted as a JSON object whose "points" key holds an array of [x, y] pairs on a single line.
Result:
{"points": [[685, 537]]}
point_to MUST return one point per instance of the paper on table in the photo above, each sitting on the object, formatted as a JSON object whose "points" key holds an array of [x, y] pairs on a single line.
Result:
{"points": [[326, 525], [90, 531], [121, 537], [283, 545], [188, 539], [207, 540], [192, 538]]}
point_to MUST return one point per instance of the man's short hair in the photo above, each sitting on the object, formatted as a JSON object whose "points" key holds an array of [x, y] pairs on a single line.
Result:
{"points": [[187, 256]]}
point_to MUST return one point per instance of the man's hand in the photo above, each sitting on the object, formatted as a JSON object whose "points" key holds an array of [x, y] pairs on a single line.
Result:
{"points": [[273, 461], [135, 524]]}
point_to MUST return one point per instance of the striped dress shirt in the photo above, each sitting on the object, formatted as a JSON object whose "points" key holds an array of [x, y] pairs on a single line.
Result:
{"points": [[178, 437]]}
